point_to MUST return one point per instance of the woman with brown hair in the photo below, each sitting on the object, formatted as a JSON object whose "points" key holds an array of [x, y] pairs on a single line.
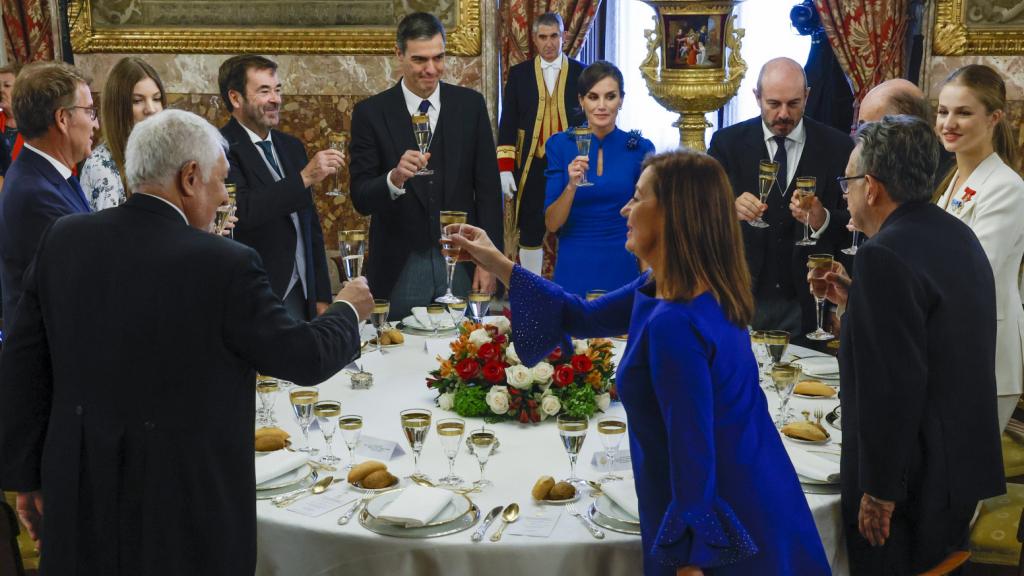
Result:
{"points": [[715, 486], [133, 92]]}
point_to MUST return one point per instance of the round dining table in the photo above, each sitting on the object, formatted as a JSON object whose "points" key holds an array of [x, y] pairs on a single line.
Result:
{"points": [[294, 544]]}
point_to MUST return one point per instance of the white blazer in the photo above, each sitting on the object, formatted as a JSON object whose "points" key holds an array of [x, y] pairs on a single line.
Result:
{"points": [[995, 211]]}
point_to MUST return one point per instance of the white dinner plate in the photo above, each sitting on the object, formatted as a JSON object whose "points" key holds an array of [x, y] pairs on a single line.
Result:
{"points": [[610, 523], [268, 494], [455, 509], [809, 397], [610, 509], [287, 479], [810, 442], [395, 484], [551, 502], [410, 322]]}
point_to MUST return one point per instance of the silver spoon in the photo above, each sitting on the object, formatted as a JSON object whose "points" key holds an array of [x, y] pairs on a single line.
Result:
{"points": [[318, 488]]}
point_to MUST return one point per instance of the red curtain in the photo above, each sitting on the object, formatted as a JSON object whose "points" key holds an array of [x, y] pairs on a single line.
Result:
{"points": [[516, 25], [867, 37], [27, 30]]}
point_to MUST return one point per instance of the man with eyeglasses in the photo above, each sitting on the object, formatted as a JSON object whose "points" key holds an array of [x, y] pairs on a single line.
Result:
{"points": [[55, 113]]}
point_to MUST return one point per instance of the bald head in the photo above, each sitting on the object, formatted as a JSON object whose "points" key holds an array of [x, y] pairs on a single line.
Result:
{"points": [[781, 94], [894, 97]]}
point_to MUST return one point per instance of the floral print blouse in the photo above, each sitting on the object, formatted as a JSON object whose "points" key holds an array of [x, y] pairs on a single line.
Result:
{"points": [[101, 180]]}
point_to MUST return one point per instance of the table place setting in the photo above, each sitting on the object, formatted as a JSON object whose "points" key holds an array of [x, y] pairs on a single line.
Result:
{"points": [[818, 470], [282, 471], [616, 508], [418, 512]]}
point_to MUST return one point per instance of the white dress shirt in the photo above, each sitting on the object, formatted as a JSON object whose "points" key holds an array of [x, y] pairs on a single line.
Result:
{"points": [[551, 71], [64, 171], [412, 103], [794, 150]]}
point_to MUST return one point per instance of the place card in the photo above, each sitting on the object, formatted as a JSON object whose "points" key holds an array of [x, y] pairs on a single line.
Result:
{"points": [[623, 462], [321, 504], [538, 523], [378, 449]]}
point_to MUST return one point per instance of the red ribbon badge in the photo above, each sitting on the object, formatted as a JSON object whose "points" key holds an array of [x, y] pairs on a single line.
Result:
{"points": [[968, 194]]}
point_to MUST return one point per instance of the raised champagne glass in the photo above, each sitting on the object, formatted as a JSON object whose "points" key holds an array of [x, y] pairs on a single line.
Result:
{"points": [[767, 171], [416, 425], [784, 378], [327, 413], [421, 129], [266, 388], [436, 313], [595, 294], [451, 222], [450, 430], [379, 317], [611, 430], [479, 305], [852, 250], [819, 265], [573, 431], [776, 341], [351, 429], [226, 211], [353, 248], [583, 140], [337, 141], [303, 400], [457, 310], [804, 194], [483, 442]]}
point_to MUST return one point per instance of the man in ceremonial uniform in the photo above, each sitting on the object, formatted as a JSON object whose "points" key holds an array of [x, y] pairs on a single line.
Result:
{"points": [[540, 100]]}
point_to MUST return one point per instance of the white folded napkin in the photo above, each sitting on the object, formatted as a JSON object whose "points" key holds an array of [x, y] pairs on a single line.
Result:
{"points": [[624, 495], [416, 505], [819, 365], [812, 466], [277, 464], [421, 316]]}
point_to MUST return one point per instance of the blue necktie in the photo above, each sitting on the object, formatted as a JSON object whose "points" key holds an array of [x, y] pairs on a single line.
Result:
{"points": [[77, 187], [268, 153], [780, 156]]}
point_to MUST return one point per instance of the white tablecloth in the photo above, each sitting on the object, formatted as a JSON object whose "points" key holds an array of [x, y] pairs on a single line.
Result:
{"points": [[295, 545]]}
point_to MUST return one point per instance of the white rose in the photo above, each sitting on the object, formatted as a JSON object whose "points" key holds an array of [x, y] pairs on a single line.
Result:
{"points": [[501, 323], [580, 346], [446, 401], [542, 373], [603, 400], [510, 354], [497, 399], [550, 404], [519, 376], [479, 337]]}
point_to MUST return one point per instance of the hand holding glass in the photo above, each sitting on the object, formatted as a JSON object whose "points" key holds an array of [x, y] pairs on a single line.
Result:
{"points": [[337, 141], [421, 129], [353, 247], [766, 174], [451, 222], [819, 265], [582, 135], [804, 194]]}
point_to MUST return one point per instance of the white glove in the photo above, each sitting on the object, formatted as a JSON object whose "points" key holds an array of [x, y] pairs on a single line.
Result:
{"points": [[508, 184]]}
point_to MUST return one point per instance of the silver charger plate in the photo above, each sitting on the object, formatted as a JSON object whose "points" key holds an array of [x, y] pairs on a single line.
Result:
{"points": [[464, 522], [834, 419], [287, 479], [304, 483], [813, 487], [610, 523], [609, 509], [455, 509]]}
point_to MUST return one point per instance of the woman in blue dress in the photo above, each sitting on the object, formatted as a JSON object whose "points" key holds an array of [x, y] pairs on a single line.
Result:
{"points": [[717, 492], [586, 219]]}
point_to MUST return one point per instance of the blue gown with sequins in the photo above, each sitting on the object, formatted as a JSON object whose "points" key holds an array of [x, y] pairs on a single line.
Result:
{"points": [[715, 486]]}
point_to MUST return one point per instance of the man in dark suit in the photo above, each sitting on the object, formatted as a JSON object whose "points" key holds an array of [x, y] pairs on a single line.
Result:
{"points": [[405, 260], [55, 113], [540, 100], [802, 147], [276, 215], [920, 430], [127, 383]]}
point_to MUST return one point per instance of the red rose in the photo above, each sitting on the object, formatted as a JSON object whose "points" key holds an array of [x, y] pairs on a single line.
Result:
{"points": [[581, 363], [555, 355], [564, 375], [500, 339], [494, 371], [488, 352], [467, 368]]}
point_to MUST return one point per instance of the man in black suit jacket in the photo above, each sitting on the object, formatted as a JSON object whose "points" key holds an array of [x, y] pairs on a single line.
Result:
{"points": [[920, 431], [127, 383], [405, 260], [540, 100], [276, 215], [777, 266]]}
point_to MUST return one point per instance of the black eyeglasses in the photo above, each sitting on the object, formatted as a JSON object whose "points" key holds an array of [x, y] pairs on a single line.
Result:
{"points": [[90, 110], [844, 181]]}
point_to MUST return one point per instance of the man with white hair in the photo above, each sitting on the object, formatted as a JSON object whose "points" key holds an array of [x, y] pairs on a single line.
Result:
{"points": [[127, 383]]}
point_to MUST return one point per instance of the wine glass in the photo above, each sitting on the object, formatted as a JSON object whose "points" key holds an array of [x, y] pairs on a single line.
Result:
{"points": [[483, 442], [573, 430], [337, 141], [226, 211], [379, 316], [595, 294], [457, 310], [451, 222], [266, 388], [479, 305], [303, 400], [353, 247], [421, 129], [351, 429], [450, 430], [804, 193], [436, 314], [611, 430], [784, 377], [416, 425], [776, 342], [819, 265], [759, 341], [852, 250], [766, 174], [583, 140], [327, 413]]}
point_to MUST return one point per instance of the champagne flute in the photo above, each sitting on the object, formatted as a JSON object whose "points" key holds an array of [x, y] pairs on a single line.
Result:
{"points": [[479, 305], [573, 431], [804, 194], [353, 247], [852, 250], [611, 430], [379, 317], [759, 341], [819, 265], [457, 310], [416, 425], [451, 430], [483, 442], [451, 222], [351, 429], [784, 377], [266, 388], [327, 413], [303, 400], [595, 294], [421, 129], [337, 141], [776, 342], [583, 140], [766, 174], [436, 314], [226, 211]]}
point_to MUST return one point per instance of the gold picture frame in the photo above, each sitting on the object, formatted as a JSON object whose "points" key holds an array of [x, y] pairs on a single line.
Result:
{"points": [[977, 27], [96, 27]]}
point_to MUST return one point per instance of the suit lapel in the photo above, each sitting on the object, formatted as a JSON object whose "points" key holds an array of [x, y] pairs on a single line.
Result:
{"points": [[452, 145], [46, 170], [976, 182], [251, 157], [399, 127]]}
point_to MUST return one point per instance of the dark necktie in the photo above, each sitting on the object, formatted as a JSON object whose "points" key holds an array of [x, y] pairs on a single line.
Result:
{"points": [[268, 153], [782, 179], [77, 187]]}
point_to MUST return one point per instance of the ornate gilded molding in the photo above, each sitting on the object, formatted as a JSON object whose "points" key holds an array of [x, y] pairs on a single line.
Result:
{"points": [[464, 39], [976, 27]]}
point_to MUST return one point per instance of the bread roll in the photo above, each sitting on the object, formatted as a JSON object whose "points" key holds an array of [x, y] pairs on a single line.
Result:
{"points": [[395, 336], [814, 388], [804, 431], [378, 479], [543, 487], [562, 491], [363, 470], [270, 439]]}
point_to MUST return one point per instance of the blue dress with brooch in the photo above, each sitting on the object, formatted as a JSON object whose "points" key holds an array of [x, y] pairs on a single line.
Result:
{"points": [[715, 486], [592, 251]]}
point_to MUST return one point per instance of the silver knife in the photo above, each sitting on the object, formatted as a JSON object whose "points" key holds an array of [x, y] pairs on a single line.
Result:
{"points": [[479, 534]]}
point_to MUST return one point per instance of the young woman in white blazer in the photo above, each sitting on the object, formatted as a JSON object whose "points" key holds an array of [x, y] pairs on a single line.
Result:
{"points": [[987, 194]]}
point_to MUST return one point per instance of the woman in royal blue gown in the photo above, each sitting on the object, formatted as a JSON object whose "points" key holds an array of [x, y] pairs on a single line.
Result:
{"points": [[717, 492], [586, 219]]}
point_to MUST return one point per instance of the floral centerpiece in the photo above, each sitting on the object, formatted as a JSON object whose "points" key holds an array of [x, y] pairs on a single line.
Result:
{"points": [[483, 377]]}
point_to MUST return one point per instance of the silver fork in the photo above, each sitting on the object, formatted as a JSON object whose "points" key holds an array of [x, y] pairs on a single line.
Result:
{"points": [[344, 518], [818, 415], [594, 530]]}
